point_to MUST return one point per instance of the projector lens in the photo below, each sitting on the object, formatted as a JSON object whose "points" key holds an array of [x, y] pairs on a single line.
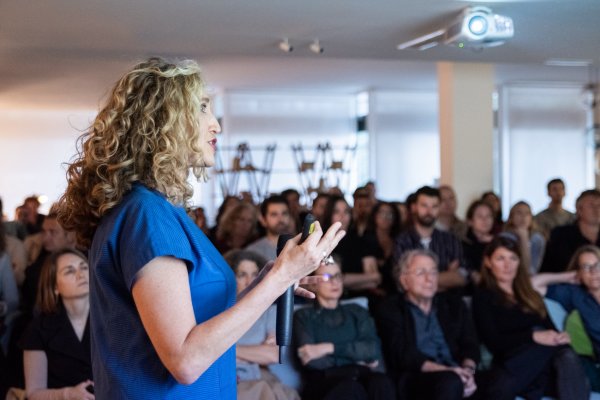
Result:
{"points": [[478, 25]]}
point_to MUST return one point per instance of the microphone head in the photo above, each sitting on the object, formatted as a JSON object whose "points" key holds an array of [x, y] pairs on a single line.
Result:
{"points": [[282, 240]]}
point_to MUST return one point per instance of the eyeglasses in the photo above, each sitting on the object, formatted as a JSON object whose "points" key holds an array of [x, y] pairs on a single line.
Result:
{"points": [[422, 272], [330, 278], [590, 268]]}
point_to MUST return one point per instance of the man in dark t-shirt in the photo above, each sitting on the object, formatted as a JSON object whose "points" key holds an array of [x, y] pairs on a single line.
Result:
{"points": [[565, 240]]}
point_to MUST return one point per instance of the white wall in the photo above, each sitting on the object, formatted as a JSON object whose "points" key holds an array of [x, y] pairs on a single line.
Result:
{"points": [[33, 146], [405, 145], [543, 136]]}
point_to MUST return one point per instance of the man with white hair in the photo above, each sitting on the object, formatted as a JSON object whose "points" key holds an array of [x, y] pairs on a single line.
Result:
{"points": [[428, 338]]}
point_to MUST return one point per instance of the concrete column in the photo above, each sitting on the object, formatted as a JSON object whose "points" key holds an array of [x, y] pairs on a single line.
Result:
{"points": [[466, 129]]}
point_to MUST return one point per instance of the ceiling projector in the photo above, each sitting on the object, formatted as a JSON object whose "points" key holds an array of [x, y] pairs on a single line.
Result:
{"points": [[479, 27], [475, 27]]}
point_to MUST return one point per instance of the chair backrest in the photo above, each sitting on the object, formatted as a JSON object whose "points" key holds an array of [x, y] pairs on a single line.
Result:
{"points": [[557, 313]]}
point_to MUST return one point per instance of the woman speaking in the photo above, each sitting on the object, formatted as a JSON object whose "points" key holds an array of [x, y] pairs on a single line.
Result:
{"points": [[162, 308]]}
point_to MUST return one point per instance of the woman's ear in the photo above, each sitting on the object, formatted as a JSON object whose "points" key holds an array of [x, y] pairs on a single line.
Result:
{"points": [[486, 262]]}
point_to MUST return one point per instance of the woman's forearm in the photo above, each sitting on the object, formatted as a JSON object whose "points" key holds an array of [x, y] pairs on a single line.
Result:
{"points": [[359, 281], [163, 298], [262, 354], [540, 282], [187, 349]]}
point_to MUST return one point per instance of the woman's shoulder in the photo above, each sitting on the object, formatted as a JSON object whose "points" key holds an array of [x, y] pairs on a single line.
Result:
{"points": [[142, 197], [482, 294], [42, 328], [356, 309]]}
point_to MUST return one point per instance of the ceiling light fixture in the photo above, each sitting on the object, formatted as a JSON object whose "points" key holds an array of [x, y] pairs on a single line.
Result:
{"points": [[285, 46], [316, 47]]}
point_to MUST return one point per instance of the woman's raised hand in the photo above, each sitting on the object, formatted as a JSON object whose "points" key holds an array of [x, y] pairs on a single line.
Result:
{"points": [[298, 260]]}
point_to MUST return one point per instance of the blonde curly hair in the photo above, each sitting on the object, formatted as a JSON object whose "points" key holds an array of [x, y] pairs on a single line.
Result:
{"points": [[147, 132]]}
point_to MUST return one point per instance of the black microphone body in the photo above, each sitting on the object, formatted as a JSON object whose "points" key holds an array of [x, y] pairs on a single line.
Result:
{"points": [[285, 302]]}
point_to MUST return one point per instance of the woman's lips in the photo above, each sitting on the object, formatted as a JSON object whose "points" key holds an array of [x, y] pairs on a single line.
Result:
{"points": [[213, 144]]}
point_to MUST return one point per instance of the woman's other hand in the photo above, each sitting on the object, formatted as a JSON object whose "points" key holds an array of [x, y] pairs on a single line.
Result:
{"points": [[551, 338], [310, 352], [79, 392]]}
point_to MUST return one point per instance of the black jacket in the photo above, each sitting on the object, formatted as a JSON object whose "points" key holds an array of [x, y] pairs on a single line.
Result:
{"points": [[397, 331]]}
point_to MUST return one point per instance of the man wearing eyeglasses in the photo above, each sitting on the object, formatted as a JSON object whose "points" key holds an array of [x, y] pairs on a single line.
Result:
{"points": [[428, 338], [578, 290]]}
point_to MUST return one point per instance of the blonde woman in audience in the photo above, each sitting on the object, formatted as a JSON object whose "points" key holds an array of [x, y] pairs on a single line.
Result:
{"points": [[578, 290], [57, 342], [256, 349], [520, 222]]}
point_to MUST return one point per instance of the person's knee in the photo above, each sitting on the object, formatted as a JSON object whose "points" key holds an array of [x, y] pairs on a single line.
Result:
{"points": [[565, 356], [347, 389], [452, 384]]}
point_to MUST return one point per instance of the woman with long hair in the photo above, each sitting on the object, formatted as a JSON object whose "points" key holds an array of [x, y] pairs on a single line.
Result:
{"points": [[383, 226], [578, 291], [237, 227], [494, 201], [56, 344], [520, 222], [480, 222], [358, 263], [530, 356], [163, 304]]}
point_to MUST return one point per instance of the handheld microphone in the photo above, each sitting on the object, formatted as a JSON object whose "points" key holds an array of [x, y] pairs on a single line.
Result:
{"points": [[285, 303]]}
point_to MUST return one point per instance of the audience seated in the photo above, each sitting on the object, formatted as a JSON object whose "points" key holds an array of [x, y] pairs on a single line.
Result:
{"points": [[57, 342], [292, 197], [579, 290], [564, 240], [448, 220], [423, 235], [361, 210], [275, 219], [338, 345], [382, 228], [429, 340], [520, 222], [54, 237], [318, 206], [358, 262], [494, 201], [237, 227], [33, 219], [555, 215], [227, 203], [15, 249], [480, 219], [9, 296], [256, 350], [199, 216], [530, 357]]}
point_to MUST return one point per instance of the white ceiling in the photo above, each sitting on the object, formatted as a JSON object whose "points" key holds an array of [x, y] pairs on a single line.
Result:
{"points": [[66, 53]]}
